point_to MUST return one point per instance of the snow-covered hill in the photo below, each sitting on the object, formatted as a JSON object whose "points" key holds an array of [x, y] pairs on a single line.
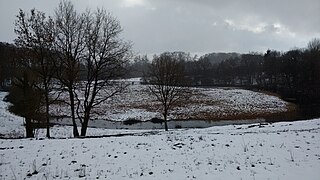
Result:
{"points": [[203, 103], [286, 150], [275, 151]]}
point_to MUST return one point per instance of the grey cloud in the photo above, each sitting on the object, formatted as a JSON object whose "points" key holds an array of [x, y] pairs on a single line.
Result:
{"points": [[198, 25]]}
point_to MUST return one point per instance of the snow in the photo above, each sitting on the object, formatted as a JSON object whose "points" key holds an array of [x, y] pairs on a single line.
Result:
{"points": [[285, 150], [10, 124], [274, 151], [136, 102]]}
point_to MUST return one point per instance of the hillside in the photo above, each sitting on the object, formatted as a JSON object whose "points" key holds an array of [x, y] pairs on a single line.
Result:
{"points": [[202, 104], [273, 151], [286, 150]]}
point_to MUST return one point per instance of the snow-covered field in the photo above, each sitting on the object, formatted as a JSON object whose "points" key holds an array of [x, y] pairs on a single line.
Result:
{"points": [[203, 103], [277, 151], [286, 150]]}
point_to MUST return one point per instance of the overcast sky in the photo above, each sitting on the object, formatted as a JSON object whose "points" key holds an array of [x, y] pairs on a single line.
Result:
{"points": [[196, 26]]}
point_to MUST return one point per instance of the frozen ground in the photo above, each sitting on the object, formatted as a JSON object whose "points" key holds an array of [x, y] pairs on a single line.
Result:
{"points": [[286, 150]]}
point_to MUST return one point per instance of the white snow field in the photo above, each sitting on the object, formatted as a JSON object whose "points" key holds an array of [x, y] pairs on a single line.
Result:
{"points": [[203, 103], [276, 151], [286, 150]]}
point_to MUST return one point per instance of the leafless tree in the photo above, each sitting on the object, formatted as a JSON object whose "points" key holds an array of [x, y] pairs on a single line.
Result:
{"points": [[106, 56], [314, 45], [35, 38], [70, 47], [91, 55], [166, 77]]}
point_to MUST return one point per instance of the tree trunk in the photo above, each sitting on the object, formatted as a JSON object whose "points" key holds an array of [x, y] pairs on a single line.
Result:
{"points": [[47, 112], [29, 128], [165, 120], [165, 124], [48, 120], [84, 124], [84, 128], [72, 106]]}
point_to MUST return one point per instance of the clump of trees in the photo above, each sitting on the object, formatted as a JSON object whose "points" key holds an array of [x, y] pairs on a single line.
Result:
{"points": [[294, 73], [75, 53], [35, 39], [27, 101]]}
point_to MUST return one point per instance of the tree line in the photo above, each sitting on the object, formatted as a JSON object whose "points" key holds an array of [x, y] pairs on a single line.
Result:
{"points": [[294, 74]]}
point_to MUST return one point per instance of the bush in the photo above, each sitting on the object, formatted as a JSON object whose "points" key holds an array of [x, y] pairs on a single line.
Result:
{"points": [[131, 121], [157, 120]]}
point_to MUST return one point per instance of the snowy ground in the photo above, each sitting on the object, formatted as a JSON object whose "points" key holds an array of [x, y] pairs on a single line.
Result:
{"points": [[274, 151], [10, 124], [203, 103], [257, 151]]}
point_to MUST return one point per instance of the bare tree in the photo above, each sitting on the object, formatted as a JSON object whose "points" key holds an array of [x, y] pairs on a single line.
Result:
{"points": [[35, 38], [166, 76], [314, 45], [106, 56], [70, 47]]}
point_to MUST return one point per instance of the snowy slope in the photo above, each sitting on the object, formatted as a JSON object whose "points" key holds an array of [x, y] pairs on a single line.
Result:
{"points": [[10, 124], [276, 151], [258, 151], [204, 103]]}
